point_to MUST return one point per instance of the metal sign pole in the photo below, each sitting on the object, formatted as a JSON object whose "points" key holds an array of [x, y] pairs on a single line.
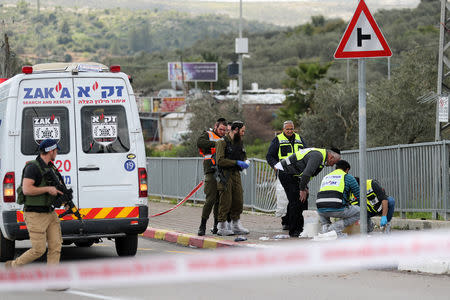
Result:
{"points": [[362, 144]]}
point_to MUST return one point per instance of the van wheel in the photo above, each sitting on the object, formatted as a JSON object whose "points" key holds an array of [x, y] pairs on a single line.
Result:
{"points": [[84, 244], [7, 248], [127, 245]]}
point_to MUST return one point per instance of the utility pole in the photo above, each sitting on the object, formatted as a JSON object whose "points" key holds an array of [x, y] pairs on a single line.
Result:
{"points": [[443, 62], [241, 84], [38, 6], [241, 49]]}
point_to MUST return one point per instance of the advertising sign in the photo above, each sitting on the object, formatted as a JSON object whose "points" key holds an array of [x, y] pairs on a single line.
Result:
{"points": [[192, 71], [170, 104]]}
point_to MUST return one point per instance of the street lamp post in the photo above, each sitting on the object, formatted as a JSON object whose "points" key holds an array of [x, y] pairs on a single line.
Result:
{"points": [[241, 84]]}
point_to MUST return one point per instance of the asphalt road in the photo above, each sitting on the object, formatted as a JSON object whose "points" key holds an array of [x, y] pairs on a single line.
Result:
{"points": [[365, 284]]}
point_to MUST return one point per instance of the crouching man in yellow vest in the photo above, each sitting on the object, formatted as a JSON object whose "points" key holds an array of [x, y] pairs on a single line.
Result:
{"points": [[333, 200]]}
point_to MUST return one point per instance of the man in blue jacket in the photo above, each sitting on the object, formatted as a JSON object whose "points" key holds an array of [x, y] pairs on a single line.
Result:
{"points": [[282, 146]]}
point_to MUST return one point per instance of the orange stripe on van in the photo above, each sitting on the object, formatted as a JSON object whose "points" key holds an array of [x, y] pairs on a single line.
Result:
{"points": [[95, 213]]}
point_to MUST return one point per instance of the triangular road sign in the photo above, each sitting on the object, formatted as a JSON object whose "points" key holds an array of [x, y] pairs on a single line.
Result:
{"points": [[363, 37]]}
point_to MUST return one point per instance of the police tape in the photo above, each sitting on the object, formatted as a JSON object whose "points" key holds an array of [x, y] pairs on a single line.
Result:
{"points": [[181, 203], [289, 258]]}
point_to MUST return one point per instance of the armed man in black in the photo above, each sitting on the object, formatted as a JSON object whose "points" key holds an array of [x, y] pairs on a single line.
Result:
{"points": [[231, 156], [43, 224], [206, 144], [305, 163], [282, 146]]}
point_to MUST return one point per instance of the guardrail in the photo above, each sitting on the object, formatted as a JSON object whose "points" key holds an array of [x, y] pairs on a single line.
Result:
{"points": [[416, 175]]}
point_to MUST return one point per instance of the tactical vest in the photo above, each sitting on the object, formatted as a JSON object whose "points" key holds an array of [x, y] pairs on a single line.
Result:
{"points": [[285, 148], [331, 193], [290, 163], [373, 203], [43, 199], [212, 137], [234, 151]]}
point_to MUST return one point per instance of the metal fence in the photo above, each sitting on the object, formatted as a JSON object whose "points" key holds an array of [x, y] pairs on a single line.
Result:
{"points": [[416, 175]]}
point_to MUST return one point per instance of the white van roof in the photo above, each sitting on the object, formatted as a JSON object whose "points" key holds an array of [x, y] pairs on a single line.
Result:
{"points": [[70, 67]]}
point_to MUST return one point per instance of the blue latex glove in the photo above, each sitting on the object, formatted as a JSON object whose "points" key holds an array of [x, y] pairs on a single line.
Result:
{"points": [[242, 164], [383, 221]]}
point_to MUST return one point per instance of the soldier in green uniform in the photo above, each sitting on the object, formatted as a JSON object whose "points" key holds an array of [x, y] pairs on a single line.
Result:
{"points": [[206, 144], [231, 156]]}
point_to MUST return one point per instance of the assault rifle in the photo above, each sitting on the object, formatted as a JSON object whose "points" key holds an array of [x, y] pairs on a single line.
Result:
{"points": [[54, 178]]}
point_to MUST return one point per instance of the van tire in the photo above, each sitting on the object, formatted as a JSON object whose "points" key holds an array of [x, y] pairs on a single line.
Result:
{"points": [[84, 244], [127, 245], [7, 248]]}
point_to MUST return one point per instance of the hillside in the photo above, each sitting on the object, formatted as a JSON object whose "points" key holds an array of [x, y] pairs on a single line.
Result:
{"points": [[65, 34], [284, 13], [272, 52]]}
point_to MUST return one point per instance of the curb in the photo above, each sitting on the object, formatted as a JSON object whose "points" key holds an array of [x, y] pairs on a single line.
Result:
{"points": [[187, 240]]}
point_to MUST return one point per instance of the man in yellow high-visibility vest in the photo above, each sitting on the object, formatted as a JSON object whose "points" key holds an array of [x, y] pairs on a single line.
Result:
{"points": [[305, 163], [333, 200], [282, 146]]}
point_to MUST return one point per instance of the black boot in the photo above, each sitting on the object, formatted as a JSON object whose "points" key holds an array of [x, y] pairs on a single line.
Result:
{"points": [[202, 228], [214, 229]]}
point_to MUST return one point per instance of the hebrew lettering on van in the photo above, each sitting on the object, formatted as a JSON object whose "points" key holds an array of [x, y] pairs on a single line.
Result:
{"points": [[46, 128], [104, 129]]}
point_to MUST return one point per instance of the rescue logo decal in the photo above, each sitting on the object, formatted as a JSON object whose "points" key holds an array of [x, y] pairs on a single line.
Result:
{"points": [[46, 128], [129, 165], [104, 129], [58, 94], [131, 156]]}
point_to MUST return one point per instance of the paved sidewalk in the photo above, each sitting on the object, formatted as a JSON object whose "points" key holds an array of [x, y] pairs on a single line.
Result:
{"points": [[181, 225]]}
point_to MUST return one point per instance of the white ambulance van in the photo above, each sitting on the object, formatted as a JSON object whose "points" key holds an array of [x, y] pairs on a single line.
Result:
{"points": [[91, 110]]}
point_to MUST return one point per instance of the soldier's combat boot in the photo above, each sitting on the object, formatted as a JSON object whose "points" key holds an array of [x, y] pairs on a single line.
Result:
{"points": [[202, 228], [214, 229]]}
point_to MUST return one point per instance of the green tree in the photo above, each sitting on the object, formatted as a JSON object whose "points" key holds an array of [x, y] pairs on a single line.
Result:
{"points": [[22, 7], [394, 115], [334, 122], [300, 85]]}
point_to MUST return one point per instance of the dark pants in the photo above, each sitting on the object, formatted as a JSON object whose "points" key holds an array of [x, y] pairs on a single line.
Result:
{"points": [[294, 215], [231, 199], [212, 197]]}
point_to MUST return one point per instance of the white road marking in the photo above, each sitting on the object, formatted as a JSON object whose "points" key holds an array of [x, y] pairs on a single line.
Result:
{"points": [[95, 296]]}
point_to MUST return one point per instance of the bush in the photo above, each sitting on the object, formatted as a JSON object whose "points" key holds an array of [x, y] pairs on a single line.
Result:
{"points": [[257, 150]]}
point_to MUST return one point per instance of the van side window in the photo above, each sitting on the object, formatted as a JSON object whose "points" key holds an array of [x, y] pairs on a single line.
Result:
{"points": [[104, 129], [40, 123]]}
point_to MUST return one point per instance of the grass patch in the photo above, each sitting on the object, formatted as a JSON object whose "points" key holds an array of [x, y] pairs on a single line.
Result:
{"points": [[419, 216]]}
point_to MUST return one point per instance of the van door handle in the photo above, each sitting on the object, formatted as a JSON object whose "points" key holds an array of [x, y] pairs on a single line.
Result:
{"points": [[89, 169]]}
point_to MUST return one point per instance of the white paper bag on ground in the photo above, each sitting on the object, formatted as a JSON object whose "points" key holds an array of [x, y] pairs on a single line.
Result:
{"points": [[282, 200], [311, 225]]}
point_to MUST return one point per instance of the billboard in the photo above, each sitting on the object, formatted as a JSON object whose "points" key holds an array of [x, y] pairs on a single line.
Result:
{"points": [[167, 104], [192, 71]]}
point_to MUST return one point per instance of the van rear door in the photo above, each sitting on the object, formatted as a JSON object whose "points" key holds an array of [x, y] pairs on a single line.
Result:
{"points": [[107, 171], [45, 110]]}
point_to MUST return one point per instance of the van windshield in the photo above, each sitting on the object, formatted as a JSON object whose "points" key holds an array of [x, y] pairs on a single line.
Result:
{"points": [[104, 129], [40, 123]]}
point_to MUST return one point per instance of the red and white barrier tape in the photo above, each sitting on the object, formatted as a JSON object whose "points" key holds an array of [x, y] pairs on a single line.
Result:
{"points": [[181, 203], [301, 257]]}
